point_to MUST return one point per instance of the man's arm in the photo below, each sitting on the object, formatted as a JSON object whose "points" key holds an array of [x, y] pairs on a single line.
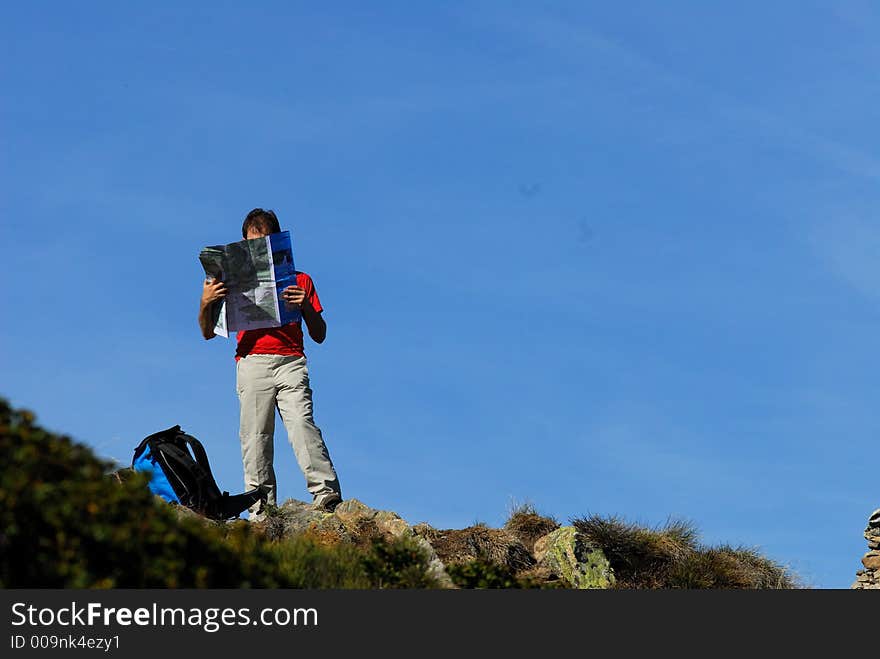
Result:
{"points": [[212, 291], [295, 296], [314, 322]]}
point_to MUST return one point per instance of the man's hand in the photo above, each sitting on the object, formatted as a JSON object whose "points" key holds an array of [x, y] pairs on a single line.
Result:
{"points": [[293, 297], [212, 291]]}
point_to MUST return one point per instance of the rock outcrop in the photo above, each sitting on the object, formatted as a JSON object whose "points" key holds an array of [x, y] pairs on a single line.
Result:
{"points": [[869, 578], [352, 522], [557, 557]]}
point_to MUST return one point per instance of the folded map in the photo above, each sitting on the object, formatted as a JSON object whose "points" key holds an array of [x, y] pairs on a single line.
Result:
{"points": [[255, 273]]}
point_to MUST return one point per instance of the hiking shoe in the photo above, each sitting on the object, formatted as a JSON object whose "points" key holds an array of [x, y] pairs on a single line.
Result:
{"points": [[328, 504]]}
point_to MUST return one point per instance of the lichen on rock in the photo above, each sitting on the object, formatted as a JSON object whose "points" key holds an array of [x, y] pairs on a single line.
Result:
{"points": [[571, 557]]}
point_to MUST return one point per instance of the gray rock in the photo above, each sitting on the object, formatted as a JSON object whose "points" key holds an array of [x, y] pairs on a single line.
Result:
{"points": [[296, 517], [361, 520], [352, 522]]}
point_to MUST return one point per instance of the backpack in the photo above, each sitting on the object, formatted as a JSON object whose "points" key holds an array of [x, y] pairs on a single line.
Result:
{"points": [[180, 473]]}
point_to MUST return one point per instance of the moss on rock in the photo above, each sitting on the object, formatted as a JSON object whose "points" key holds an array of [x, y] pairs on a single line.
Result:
{"points": [[571, 557]]}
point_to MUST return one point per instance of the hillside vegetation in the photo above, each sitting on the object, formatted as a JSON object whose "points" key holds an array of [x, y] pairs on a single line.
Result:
{"points": [[67, 521]]}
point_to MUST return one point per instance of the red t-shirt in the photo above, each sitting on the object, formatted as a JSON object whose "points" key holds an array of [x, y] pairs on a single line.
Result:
{"points": [[285, 340]]}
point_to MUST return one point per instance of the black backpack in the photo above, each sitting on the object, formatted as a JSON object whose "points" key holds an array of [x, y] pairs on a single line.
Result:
{"points": [[184, 477]]}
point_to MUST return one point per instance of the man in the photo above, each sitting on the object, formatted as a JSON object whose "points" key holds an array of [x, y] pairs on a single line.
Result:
{"points": [[271, 373]]}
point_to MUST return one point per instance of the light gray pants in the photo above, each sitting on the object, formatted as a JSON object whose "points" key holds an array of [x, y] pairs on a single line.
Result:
{"points": [[266, 383]]}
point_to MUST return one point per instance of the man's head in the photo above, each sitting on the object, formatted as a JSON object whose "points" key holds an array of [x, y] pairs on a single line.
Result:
{"points": [[259, 223]]}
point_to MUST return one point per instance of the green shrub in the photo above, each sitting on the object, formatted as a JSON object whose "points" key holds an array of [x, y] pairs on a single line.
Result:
{"points": [[398, 564], [482, 573], [65, 523]]}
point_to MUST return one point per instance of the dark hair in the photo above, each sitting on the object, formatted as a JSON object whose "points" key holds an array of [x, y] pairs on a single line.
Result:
{"points": [[260, 220]]}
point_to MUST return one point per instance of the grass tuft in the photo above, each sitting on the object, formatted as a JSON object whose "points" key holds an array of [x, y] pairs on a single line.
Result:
{"points": [[671, 556], [527, 525]]}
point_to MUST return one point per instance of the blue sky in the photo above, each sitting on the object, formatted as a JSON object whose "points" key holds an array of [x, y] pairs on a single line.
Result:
{"points": [[603, 259]]}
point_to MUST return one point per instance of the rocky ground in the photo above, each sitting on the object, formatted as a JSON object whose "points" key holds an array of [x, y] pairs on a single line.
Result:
{"points": [[530, 546]]}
